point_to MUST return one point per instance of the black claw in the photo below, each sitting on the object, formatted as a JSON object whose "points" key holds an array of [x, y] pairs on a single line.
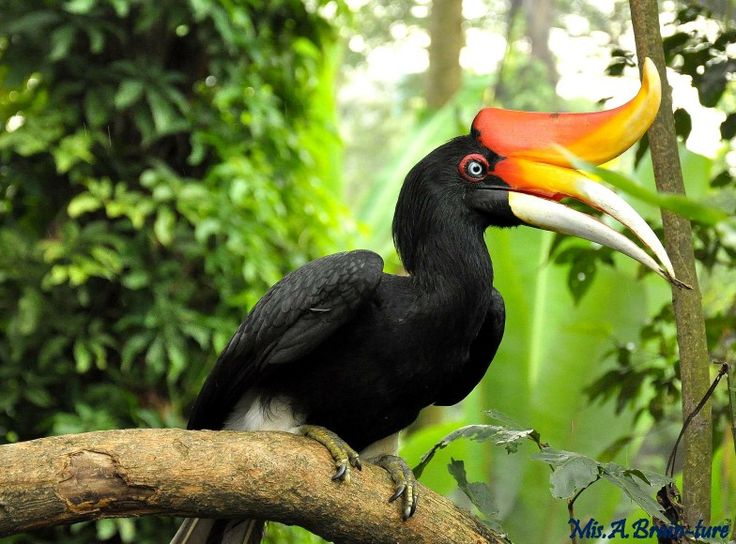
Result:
{"points": [[341, 471], [399, 491], [357, 464], [413, 507]]}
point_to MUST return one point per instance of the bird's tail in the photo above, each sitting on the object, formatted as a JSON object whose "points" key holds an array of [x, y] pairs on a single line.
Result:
{"points": [[219, 531]]}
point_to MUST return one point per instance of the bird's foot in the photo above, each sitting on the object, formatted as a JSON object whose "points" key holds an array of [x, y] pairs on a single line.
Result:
{"points": [[345, 457], [404, 480]]}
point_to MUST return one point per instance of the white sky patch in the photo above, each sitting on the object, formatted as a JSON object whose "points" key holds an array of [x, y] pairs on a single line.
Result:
{"points": [[420, 12], [393, 62], [474, 9], [357, 43], [483, 51], [605, 6], [584, 76], [355, 5], [705, 137], [577, 24]]}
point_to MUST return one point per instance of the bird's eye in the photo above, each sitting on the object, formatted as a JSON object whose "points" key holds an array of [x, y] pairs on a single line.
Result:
{"points": [[473, 167]]}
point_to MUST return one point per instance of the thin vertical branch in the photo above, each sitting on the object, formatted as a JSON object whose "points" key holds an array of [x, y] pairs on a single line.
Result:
{"points": [[444, 77], [697, 458]]}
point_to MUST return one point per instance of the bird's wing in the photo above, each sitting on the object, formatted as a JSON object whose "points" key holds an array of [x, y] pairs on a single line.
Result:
{"points": [[293, 318], [482, 352]]}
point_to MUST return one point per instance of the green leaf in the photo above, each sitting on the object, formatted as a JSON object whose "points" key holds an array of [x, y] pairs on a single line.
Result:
{"points": [[72, 150], [574, 471], [501, 436], [39, 397], [177, 357], [83, 203], [478, 493], [80, 7], [82, 356], [96, 39], [106, 529], [95, 106], [164, 225], [132, 348], [682, 205], [166, 119], [126, 529], [61, 42], [31, 22], [637, 486], [128, 93], [29, 311]]}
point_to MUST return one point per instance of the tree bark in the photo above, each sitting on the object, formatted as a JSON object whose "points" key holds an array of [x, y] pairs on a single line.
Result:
{"points": [[500, 91], [678, 236], [539, 19], [446, 34], [274, 476]]}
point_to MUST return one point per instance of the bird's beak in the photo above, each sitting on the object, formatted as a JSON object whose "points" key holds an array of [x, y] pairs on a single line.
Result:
{"points": [[538, 171]]}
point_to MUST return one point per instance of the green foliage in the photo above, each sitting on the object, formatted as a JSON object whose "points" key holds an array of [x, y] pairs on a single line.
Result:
{"points": [[507, 435], [645, 376], [572, 473], [162, 164], [478, 493]]}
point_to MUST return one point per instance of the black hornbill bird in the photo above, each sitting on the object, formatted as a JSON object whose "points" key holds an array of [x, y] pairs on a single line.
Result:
{"points": [[347, 354]]}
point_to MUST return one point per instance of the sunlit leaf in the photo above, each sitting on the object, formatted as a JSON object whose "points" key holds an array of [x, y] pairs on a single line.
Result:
{"points": [[128, 93], [499, 435], [677, 203]]}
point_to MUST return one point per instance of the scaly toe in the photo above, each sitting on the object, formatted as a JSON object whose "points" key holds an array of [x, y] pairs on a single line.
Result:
{"points": [[405, 482], [343, 455]]}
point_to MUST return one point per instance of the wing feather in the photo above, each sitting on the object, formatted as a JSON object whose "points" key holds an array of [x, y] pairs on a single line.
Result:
{"points": [[296, 315]]}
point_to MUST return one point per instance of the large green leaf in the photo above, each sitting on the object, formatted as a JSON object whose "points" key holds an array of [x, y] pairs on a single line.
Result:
{"points": [[687, 207]]}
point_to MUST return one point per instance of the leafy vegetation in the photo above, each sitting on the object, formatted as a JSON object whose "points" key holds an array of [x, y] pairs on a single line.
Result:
{"points": [[163, 163], [650, 362]]}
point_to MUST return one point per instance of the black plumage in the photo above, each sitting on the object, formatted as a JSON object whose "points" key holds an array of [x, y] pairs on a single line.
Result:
{"points": [[342, 345], [359, 351]]}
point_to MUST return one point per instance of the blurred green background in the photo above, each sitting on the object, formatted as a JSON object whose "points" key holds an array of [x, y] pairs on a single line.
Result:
{"points": [[163, 163]]}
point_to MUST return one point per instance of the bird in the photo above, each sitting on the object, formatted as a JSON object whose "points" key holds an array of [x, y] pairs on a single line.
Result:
{"points": [[347, 354]]}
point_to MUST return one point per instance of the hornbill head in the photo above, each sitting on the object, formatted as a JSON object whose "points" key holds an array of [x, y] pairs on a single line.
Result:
{"points": [[514, 168]]}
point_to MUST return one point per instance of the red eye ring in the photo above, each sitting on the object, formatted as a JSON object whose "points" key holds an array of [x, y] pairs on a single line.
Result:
{"points": [[473, 167]]}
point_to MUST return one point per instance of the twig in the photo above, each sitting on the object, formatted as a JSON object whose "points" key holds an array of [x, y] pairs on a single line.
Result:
{"points": [[571, 509], [670, 470]]}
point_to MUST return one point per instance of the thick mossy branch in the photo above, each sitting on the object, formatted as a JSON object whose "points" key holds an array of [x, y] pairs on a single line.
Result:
{"points": [[275, 476]]}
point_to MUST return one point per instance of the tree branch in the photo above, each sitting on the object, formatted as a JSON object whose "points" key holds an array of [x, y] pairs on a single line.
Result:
{"points": [[275, 476], [678, 240]]}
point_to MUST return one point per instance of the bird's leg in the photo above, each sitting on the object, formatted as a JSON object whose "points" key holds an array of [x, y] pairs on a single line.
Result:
{"points": [[404, 480], [344, 456]]}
